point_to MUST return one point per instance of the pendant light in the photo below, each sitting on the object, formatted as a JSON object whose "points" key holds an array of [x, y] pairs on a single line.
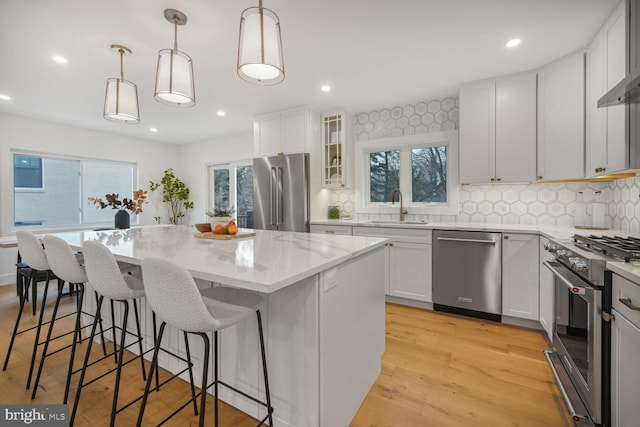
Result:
{"points": [[174, 77], [121, 98], [260, 58]]}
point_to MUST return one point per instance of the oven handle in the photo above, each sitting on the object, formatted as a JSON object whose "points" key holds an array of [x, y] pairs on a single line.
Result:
{"points": [[563, 392], [577, 289]]}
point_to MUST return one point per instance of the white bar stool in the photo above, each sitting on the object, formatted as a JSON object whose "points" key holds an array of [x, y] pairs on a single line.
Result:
{"points": [[175, 297]]}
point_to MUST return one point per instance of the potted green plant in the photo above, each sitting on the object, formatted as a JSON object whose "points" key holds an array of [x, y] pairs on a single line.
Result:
{"points": [[220, 216], [175, 194]]}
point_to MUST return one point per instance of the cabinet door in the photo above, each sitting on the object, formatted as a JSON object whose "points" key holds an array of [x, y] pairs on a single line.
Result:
{"points": [[546, 291], [614, 34], [268, 135], [561, 119], [295, 131], [477, 132], [520, 264], [410, 271], [596, 137], [625, 371], [516, 128]]}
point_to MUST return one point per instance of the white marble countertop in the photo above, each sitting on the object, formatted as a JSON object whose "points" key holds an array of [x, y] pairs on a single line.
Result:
{"points": [[628, 270], [552, 232], [269, 261]]}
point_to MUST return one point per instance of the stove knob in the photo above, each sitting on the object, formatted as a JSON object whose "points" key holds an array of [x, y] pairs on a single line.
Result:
{"points": [[562, 253], [550, 247]]}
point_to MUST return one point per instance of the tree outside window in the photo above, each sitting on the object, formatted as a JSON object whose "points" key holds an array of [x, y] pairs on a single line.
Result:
{"points": [[384, 175], [429, 174]]}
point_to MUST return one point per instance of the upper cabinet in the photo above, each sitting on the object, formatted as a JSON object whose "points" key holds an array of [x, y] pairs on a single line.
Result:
{"points": [[498, 130], [335, 149], [561, 98], [606, 144], [287, 132]]}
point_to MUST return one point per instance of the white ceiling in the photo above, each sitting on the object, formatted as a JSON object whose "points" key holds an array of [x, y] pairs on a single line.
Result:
{"points": [[374, 54]]}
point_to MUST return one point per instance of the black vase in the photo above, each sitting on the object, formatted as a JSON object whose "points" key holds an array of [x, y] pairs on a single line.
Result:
{"points": [[122, 219]]}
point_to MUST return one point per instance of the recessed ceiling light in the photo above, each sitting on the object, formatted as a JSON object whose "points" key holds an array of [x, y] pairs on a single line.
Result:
{"points": [[513, 42], [221, 113], [5, 97], [153, 129], [325, 88], [60, 59]]}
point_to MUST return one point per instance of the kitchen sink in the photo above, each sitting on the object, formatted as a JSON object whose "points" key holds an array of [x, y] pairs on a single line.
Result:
{"points": [[392, 222]]}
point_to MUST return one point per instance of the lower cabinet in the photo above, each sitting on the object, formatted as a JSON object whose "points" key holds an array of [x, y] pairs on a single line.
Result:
{"points": [[520, 266], [546, 290], [625, 348], [409, 260]]}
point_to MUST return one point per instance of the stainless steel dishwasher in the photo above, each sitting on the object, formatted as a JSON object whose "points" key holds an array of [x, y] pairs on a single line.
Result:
{"points": [[467, 273]]}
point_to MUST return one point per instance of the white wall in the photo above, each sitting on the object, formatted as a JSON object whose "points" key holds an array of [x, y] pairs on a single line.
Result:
{"points": [[22, 133], [196, 157]]}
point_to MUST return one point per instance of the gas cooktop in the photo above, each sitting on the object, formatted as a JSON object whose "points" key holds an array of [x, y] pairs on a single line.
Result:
{"points": [[627, 248]]}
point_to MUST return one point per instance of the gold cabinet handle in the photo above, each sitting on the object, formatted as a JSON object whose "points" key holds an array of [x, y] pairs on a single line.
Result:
{"points": [[627, 302], [598, 170], [539, 176], [499, 179], [330, 231], [493, 179]]}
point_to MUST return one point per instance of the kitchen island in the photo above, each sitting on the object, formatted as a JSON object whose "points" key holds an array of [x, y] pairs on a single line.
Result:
{"points": [[324, 317]]}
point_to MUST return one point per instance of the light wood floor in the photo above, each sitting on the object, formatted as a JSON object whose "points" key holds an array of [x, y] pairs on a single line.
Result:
{"points": [[438, 370]]}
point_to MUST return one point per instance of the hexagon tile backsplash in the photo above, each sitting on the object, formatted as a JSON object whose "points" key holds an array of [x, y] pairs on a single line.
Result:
{"points": [[540, 204]]}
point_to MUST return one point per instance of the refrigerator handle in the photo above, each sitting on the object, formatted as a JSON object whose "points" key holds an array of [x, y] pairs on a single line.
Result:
{"points": [[272, 196], [280, 207]]}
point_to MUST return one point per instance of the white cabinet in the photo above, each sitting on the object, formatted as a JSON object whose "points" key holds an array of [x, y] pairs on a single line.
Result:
{"points": [[498, 130], [331, 229], [290, 131], [520, 289], [605, 137], [336, 151], [561, 91], [546, 291], [409, 268], [625, 348]]}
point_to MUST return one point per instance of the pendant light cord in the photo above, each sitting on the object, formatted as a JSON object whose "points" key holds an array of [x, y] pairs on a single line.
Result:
{"points": [[175, 34], [121, 50], [261, 12]]}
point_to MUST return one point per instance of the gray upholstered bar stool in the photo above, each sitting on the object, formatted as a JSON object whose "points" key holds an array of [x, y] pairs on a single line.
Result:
{"points": [[176, 299], [108, 281], [65, 265], [38, 267]]}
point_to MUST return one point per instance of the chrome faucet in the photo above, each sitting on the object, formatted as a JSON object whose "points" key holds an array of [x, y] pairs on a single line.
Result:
{"points": [[403, 211]]}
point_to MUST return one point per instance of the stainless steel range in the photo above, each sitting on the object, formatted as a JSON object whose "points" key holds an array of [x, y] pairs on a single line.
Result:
{"points": [[580, 359]]}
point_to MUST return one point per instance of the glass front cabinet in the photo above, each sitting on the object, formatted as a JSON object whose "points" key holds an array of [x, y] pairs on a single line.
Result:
{"points": [[335, 152]]}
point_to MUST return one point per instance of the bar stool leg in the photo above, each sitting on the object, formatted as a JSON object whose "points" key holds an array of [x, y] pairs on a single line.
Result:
{"points": [[36, 342], [264, 368], [193, 387], [135, 311], [154, 366], [86, 361], [123, 335], [113, 333], [205, 374], [76, 337], [46, 342], [15, 328]]}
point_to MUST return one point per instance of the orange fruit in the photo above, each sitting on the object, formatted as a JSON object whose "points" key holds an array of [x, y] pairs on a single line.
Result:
{"points": [[218, 229], [232, 228]]}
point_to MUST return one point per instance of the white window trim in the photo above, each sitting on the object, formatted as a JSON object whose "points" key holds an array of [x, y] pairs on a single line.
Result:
{"points": [[232, 180], [135, 220], [362, 150]]}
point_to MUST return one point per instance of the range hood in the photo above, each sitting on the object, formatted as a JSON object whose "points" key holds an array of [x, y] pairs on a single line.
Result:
{"points": [[628, 90]]}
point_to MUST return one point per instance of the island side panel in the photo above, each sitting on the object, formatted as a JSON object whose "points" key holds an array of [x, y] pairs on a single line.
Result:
{"points": [[352, 335]]}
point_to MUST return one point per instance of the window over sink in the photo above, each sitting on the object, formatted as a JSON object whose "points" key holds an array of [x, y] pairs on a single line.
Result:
{"points": [[423, 167]]}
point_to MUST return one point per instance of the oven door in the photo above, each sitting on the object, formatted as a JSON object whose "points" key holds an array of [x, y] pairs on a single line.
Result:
{"points": [[577, 342]]}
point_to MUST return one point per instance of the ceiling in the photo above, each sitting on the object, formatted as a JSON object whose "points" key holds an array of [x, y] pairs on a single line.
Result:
{"points": [[374, 54]]}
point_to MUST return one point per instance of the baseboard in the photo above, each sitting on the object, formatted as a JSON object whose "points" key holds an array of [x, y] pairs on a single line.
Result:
{"points": [[409, 302], [525, 323], [8, 279]]}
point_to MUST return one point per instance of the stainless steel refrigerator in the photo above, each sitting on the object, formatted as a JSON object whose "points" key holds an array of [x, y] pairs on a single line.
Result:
{"points": [[281, 192]]}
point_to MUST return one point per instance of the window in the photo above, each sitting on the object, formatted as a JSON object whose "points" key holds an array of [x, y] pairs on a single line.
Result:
{"points": [[27, 171], [62, 197], [422, 167], [231, 184]]}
